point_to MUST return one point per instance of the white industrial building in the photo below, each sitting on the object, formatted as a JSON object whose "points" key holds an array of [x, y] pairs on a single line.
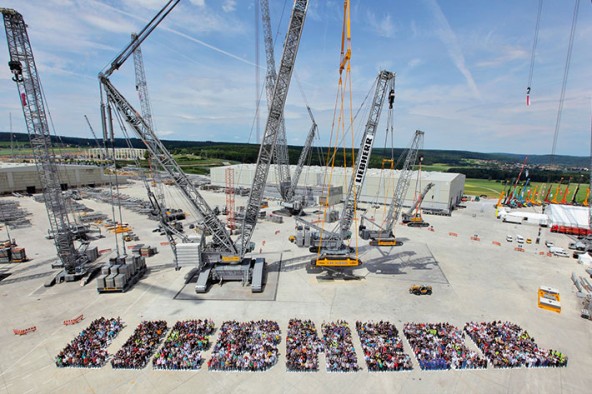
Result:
{"points": [[378, 187], [20, 177]]}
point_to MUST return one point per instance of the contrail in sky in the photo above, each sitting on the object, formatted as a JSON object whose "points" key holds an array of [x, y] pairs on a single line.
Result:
{"points": [[447, 36]]}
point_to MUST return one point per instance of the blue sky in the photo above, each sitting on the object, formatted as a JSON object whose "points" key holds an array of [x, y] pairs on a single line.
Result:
{"points": [[462, 68]]}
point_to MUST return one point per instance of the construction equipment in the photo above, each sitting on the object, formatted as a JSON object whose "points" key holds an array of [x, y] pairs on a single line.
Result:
{"points": [[11, 253], [413, 216], [512, 191], [420, 290], [221, 258], [155, 190], [22, 66], [384, 236], [294, 204], [287, 184], [330, 244]]}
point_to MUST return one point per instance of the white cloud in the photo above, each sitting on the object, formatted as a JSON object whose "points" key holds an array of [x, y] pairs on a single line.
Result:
{"points": [[113, 25], [383, 26], [229, 6]]}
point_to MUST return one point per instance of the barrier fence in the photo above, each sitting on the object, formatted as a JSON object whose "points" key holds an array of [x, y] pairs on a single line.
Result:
{"points": [[453, 234], [25, 331], [76, 320], [496, 243]]}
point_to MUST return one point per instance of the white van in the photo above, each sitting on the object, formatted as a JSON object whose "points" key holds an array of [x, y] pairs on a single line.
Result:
{"points": [[557, 251]]}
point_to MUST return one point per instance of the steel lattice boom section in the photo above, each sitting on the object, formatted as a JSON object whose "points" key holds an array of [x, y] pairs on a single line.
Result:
{"points": [[403, 183], [22, 65], [141, 36], [303, 157], [384, 83], [281, 157], [274, 119], [142, 89], [222, 241]]}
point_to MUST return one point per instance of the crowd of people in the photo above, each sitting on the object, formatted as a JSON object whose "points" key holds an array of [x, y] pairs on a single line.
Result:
{"points": [[89, 348], [302, 346], [138, 348], [382, 346], [182, 348], [441, 346], [507, 345], [339, 349], [246, 346]]}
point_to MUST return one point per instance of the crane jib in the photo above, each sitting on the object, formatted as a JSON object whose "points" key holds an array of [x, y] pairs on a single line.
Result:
{"points": [[365, 156]]}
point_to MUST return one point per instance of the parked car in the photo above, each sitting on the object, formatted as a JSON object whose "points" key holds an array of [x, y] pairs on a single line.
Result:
{"points": [[549, 244], [509, 238], [520, 239], [559, 252], [528, 240]]}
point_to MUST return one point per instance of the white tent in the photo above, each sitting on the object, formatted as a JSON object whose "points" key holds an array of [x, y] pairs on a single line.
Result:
{"points": [[567, 215]]}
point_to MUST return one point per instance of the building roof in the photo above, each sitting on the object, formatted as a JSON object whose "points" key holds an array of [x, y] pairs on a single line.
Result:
{"points": [[425, 175], [7, 166]]}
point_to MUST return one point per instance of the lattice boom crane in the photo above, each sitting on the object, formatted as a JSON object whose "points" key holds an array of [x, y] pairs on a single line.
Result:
{"points": [[384, 236], [22, 66], [280, 156]]}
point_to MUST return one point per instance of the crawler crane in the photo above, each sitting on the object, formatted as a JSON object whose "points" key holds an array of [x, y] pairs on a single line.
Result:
{"points": [[384, 236], [24, 71], [287, 183], [221, 258], [413, 216], [333, 253]]}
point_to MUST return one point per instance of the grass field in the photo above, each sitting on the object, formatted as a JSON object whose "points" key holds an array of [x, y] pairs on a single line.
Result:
{"points": [[492, 189], [435, 167]]}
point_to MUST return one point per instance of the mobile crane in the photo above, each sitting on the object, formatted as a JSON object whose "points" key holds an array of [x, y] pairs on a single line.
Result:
{"points": [[384, 235], [415, 219], [333, 253], [24, 71], [222, 258]]}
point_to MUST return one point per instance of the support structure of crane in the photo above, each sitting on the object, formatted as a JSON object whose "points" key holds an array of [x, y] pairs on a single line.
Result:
{"points": [[146, 107], [280, 156], [287, 183], [216, 258], [293, 204], [384, 236], [414, 219], [330, 245], [155, 190], [22, 66]]}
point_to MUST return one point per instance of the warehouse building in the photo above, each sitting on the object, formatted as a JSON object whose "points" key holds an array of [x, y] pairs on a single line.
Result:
{"points": [[23, 178], [378, 188]]}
